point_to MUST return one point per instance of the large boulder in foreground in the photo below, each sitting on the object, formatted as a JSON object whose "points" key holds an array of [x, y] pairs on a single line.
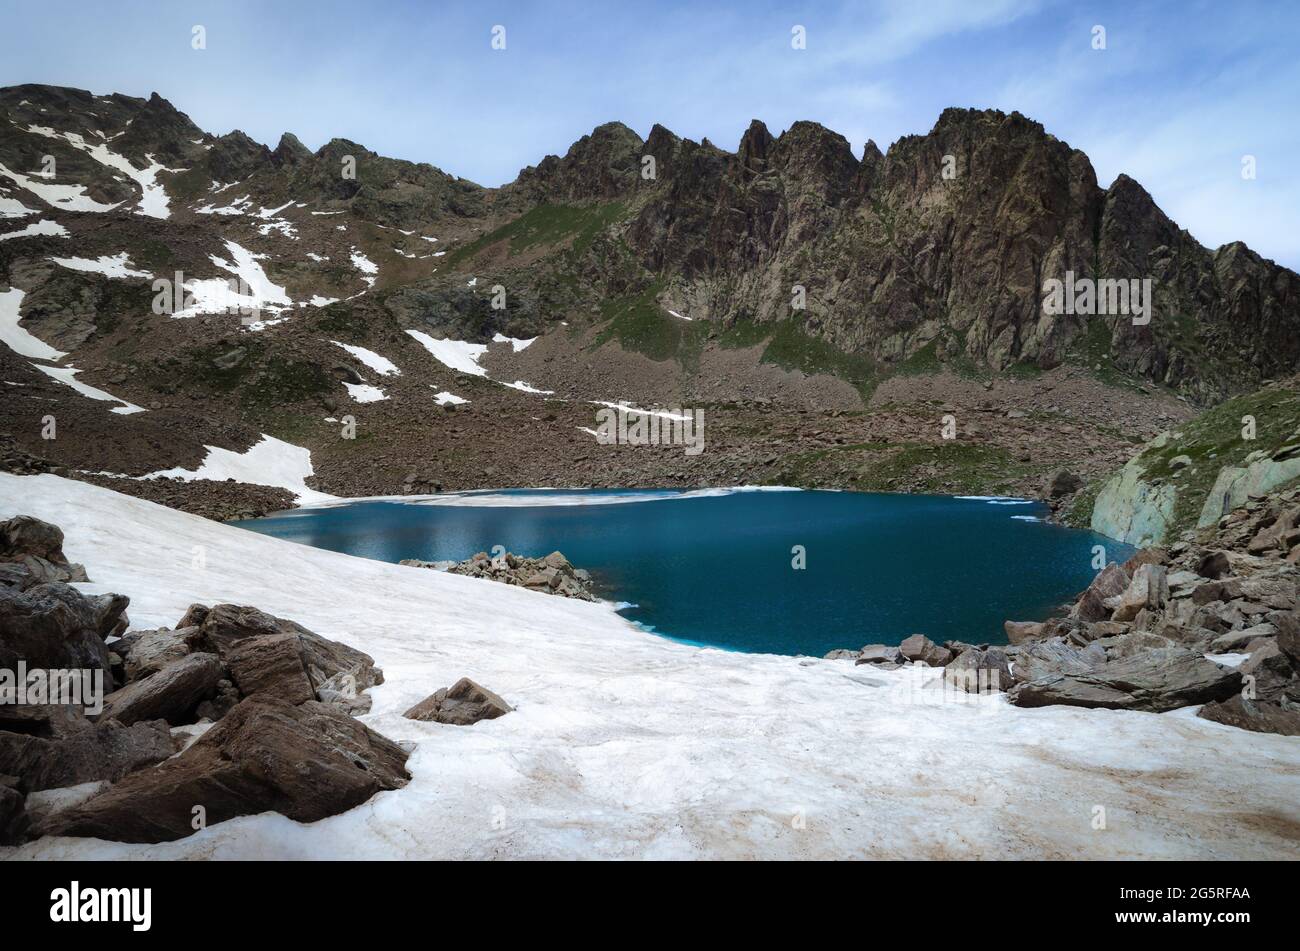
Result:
{"points": [[1155, 680], [51, 627], [305, 762], [171, 694], [461, 704]]}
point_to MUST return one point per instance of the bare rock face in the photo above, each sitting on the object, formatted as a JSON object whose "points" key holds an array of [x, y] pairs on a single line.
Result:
{"points": [[171, 694], [461, 704], [306, 762], [51, 626], [106, 750]]}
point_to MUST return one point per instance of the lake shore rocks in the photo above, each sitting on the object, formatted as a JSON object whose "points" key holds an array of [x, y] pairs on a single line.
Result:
{"points": [[1148, 634], [553, 574]]}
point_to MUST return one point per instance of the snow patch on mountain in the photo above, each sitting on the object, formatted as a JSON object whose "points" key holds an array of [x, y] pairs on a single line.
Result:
{"points": [[216, 296], [115, 266], [16, 337], [444, 398], [268, 462], [43, 227], [515, 342], [457, 354], [380, 364], [365, 393], [153, 197], [68, 377], [67, 197], [13, 208]]}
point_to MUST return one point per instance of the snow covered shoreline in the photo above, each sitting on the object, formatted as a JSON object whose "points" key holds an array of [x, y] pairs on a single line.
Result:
{"points": [[626, 745]]}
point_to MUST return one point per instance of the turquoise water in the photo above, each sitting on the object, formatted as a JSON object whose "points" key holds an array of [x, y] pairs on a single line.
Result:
{"points": [[716, 568]]}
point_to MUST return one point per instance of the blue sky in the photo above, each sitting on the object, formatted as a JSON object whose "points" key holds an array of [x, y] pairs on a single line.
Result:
{"points": [[1182, 91]]}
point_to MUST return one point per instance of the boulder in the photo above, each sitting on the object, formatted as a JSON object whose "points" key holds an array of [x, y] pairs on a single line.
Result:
{"points": [[12, 819], [880, 654], [51, 626], [978, 670], [1213, 564], [16, 577], [110, 614], [841, 653], [171, 694], [1018, 632], [270, 664], [1109, 582], [1288, 635], [38, 547], [1237, 640], [25, 535], [36, 719], [1267, 673], [1252, 715], [223, 626], [305, 762], [461, 704], [150, 651], [920, 648], [1163, 678], [104, 750], [1062, 483], [1149, 589], [1056, 656]]}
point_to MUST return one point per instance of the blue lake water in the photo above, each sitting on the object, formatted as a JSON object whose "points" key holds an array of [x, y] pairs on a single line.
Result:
{"points": [[717, 567]]}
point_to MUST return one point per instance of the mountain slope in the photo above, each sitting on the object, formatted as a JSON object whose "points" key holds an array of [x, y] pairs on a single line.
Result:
{"points": [[921, 298]]}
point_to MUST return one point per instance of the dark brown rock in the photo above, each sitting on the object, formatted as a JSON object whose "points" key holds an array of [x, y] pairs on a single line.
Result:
{"points": [[104, 750], [461, 704], [305, 762], [171, 694], [270, 664], [1252, 715], [225, 625], [51, 626]]}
